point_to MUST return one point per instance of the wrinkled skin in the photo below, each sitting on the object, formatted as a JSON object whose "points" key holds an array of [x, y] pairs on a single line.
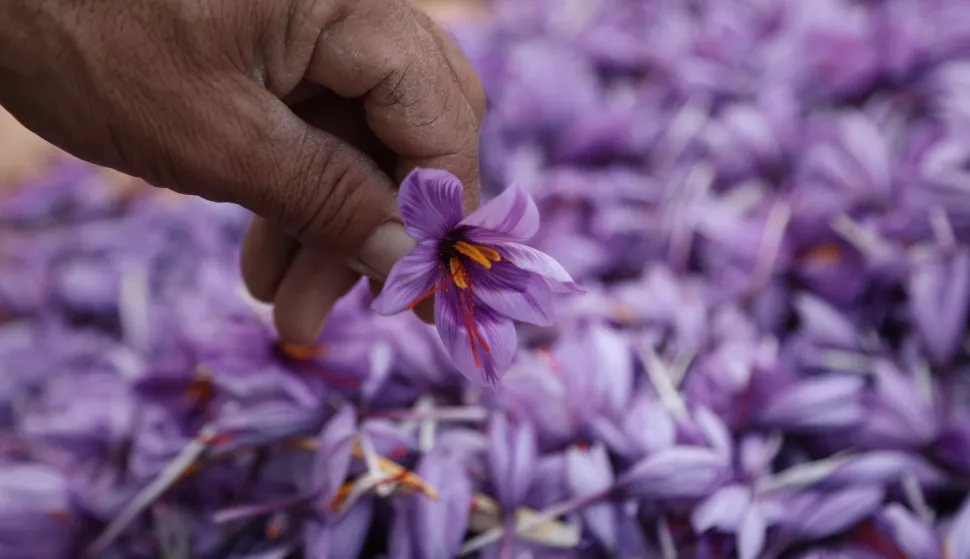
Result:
{"points": [[307, 112]]}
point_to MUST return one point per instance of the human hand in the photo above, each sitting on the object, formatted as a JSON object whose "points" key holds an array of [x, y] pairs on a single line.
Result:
{"points": [[306, 112]]}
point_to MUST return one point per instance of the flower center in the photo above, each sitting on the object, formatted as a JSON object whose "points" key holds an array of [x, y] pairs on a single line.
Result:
{"points": [[454, 255]]}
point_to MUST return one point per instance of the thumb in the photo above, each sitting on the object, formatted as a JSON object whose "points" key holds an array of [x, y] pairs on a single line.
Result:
{"points": [[316, 187]]}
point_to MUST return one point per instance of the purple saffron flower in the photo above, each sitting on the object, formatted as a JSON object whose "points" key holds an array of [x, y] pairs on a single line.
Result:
{"points": [[482, 277]]}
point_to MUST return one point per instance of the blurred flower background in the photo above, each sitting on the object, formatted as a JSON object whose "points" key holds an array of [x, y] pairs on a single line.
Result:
{"points": [[768, 202]]}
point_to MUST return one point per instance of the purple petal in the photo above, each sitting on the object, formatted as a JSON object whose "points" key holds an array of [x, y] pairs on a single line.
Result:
{"points": [[883, 468], [514, 293], [751, 534], [511, 216], [722, 510], [430, 201], [840, 511], [498, 333], [540, 263], [512, 459], [714, 430], [824, 402], [589, 472], [824, 324], [442, 523], [410, 278], [332, 459], [680, 472], [349, 532], [958, 539], [939, 302], [913, 536]]}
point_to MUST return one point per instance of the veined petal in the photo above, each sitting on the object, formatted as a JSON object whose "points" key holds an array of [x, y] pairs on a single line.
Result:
{"points": [[515, 293], [538, 262], [510, 216], [496, 331], [411, 277], [430, 201]]}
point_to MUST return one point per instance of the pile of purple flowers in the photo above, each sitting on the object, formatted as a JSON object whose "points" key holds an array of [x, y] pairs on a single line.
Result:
{"points": [[768, 205]]}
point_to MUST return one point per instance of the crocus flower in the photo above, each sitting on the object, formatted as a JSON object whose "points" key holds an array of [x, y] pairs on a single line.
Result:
{"points": [[481, 274]]}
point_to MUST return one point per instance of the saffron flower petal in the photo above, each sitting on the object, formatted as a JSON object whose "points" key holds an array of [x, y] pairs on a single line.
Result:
{"points": [[538, 262], [480, 346], [430, 201], [510, 216], [410, 277]]}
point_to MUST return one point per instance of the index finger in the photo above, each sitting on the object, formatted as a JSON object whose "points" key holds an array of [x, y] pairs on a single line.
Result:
{"points": [[378, 50]]}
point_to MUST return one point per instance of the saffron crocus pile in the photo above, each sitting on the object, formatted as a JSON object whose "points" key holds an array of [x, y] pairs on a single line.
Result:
{"points": [[767, 204]]}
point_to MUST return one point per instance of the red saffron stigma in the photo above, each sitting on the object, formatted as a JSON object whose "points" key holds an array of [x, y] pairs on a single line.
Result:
{"points": [[431, 292], [466, 304]]}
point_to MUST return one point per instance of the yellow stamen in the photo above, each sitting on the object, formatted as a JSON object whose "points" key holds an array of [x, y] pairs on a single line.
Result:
{"points": [[454, 265], [483, 255], [489, 253]]}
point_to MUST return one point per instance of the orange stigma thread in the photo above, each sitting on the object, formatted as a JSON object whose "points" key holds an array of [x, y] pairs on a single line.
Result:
{"points": [[459, 276]]}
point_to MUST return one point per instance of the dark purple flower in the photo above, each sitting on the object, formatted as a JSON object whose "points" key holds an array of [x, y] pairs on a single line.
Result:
{"points": [[481, 274]]}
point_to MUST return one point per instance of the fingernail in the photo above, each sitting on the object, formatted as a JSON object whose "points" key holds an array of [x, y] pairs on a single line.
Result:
{"points": [[386, 245]]}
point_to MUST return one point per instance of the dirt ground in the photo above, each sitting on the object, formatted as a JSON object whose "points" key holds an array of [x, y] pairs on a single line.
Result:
{"points": [[23, 154]]}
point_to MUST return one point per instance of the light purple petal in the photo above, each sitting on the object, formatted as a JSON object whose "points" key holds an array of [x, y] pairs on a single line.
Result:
{"points": [[538, 262], [823, 402], [511, 216], [498, 332], [430, 201], [587, 473], [442, 522], [939, 302], [332, 458], [349, 532], [722, 510], [714, 430], [839, 511], [512, 458], [410, 277], [680, 472], [514, 293], [751, 534], [958, 540]]}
